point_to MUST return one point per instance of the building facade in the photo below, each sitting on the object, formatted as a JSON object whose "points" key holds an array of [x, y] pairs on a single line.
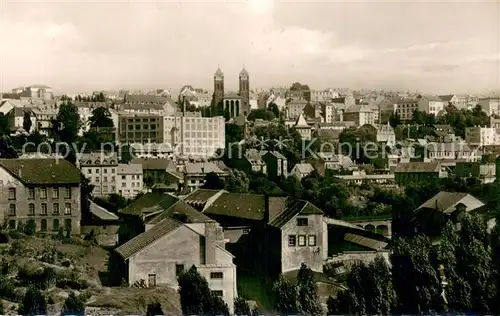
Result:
{"points": [[50, 199], [482, 136], [129, 180], [140, 129], [100, 169], [490, 105]]}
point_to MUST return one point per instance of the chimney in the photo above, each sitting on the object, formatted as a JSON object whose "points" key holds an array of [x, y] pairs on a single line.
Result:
{"points": [[210, 241]]}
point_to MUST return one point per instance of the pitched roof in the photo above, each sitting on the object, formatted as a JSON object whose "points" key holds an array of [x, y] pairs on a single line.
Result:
{"points": [[447, 97], [155, 164], [144, 98], [42, 171], [409, 167], [298, 208], [101, 212], [276, 154], [202, 167], [241, 205], [200, 196], [429, 97], [447, 201], [365, 241], [183, 209], [129, 169], [149, 203], [141, 241], [301, 121], [304, 167]]}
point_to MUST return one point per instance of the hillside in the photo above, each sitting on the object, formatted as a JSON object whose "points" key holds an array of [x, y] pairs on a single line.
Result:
{"points": [[66, 265]]}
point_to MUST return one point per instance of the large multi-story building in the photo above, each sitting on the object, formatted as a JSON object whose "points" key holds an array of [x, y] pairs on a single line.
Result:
{"points": [[323, 95], [328, 112], [100, 169], [360, 114], [202, 136], [140, 128], [46, 192], [431, 104], [482, 136], [406, 107], [295, 108], [35, 92]]}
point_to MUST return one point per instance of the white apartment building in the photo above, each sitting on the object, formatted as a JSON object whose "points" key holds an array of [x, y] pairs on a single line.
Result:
{"points": [[490, 105], [129, 180], [431, 104], [202, 136], [328, 111], [360, 114], [295, 108], [482, 136], [100, 168], [323, 95]]}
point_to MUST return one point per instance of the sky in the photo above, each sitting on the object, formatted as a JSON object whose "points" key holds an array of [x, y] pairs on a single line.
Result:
{"points": [[79, 46]]}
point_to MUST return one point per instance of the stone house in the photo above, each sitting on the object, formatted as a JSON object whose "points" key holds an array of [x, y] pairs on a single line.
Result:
{"points": [[46, 191], [323, 161], [301, 170], [195, 173], [169, 247], [100, 169], [413, 172], [130, 180]]}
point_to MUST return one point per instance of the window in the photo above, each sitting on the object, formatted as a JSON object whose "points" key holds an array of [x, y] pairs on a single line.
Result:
{"points": [[31, 209], [292, 241], [43, 225], [12, 193], [97, 171], [216, 275], [89, 171], [67, 209], [31, 193], [44, 209], [312, 240], [105, 170], [302, 240], [55, 193], [123, 177], [67, 193], [55, 224], [12, 209], [152, 280], [12, 224], [179, 268], [302, 222], [43, 193], [218, 293], [123, 184], [55, 209], [67, 224], [105, 179]]}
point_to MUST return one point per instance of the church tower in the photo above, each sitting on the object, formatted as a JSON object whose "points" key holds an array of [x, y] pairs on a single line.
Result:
{"points": [[245, 91], [218, 88]]}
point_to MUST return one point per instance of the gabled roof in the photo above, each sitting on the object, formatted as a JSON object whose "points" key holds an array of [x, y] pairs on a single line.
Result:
{"points": [[276, 154], [410, 167], [298, 208], [181, 208], [101, 212], [145, 98], [447, 201], [141, 241], [365, 241], [301, 122], [241, 205], [155, 164], [201, 196], [202, 168], [124, 169], [304, 168], [149, 203], [447, 97], [42, 171], [429, 97]]}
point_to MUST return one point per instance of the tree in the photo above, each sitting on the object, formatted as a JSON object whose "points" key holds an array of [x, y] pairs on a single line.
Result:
{"points": [[286, 297], [213, 182], [33, 303], [27, 121], [263, 114], [308, 296], [6, 149], [241, 307], [274, 108], [237, 181], [101, 117], [394, 120], [68, 123], [30, 228], [196, 297], [495, 256], [154, 309], [4, 124], [74, 305]]}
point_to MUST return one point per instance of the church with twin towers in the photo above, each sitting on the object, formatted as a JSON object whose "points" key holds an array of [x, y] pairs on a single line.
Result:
{"points": [[233, 104]]}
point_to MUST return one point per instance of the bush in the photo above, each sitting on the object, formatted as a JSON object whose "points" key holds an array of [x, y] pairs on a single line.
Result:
{"points": [[30, 228], [74, 305], [5, 267], [41, 278], [154, 309], [14, 234], [2, 311], [33, 303], [66, 263], [241, 306], [7, 289], [4, 237], [67, 283]]}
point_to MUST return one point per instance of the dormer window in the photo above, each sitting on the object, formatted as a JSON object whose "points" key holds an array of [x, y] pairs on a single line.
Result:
{"points": [[104, 162], [97, 162]]}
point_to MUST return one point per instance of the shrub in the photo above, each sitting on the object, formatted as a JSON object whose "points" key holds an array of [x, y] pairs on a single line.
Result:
{"points": [[7, 289], [30, 228], [141, 284], [154, 309], [2, 311], [4, 237], [42, 278], [14, 234], [241, 306], [20, 227], [66, 263], [66, 283], [74, 305], [33, 303]]}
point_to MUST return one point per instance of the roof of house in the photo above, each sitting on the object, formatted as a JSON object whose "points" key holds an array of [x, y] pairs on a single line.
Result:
{"points": [[200, 196], [447, 97], [447, 201], [98, 158], [276, 154], [129, 169], [301, 122], [410, 167], [141, 241], [241, 205], [181, 208], [298, 208], [155, 164], [365, 241], [149, 203], [202, 168], [232, 95], [101, 212], [429, 97], [42, 171], [144, 98], [304, 168]]}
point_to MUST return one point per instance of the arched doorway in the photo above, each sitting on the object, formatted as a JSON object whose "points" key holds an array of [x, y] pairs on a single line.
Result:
{"points": [[370, 228]]}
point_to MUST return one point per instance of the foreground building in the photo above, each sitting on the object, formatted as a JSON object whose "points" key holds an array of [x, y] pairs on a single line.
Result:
{"points": [[44, 191]]}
